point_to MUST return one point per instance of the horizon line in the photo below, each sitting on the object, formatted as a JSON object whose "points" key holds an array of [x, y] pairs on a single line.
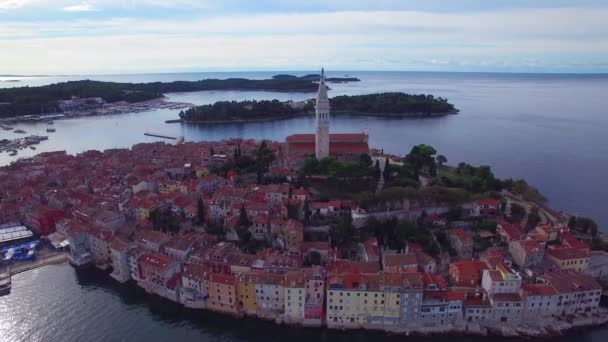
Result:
{"points": [[309, 70]]}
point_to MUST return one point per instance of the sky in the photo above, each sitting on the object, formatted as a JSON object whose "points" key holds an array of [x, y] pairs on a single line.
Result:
{"points": [[146, 36]]}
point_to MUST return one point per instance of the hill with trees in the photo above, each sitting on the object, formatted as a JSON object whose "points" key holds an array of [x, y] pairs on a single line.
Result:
{"points": [[44, 99], [383, 104]]}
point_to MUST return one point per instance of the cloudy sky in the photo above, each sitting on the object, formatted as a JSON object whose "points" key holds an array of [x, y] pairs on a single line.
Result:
{"points": [[132, 36]]}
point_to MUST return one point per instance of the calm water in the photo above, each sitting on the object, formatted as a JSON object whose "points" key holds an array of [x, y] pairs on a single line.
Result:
{"points": [[548, 129], [59, 304]]}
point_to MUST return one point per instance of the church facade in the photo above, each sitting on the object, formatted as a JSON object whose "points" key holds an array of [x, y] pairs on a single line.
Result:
{"points": [[322, 144]]}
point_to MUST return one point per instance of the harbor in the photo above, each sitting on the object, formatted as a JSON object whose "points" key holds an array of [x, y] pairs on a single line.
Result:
{"points": [[12, 146]]}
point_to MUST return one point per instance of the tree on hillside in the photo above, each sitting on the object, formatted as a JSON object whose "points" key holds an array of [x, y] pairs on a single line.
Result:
{"points": [[533, 219], [365, 159], [441, 159], [200, 211], [377, 169], [243, 218], [312, 259], [517, 213], [263, 158], [421, 156], [306, 209], [387, 170], [342, 234]]}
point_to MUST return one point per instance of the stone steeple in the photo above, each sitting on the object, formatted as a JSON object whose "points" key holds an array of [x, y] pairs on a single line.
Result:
{"points": [[322, 120]]}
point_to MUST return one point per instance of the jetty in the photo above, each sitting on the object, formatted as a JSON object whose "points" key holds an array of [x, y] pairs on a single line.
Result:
{"points": [[159, 136]]}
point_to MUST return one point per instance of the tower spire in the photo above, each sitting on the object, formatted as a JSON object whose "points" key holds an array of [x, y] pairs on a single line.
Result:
{"points": [[322, 119]]}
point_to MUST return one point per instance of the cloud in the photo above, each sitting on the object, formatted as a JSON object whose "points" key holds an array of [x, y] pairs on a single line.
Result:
{"points": [[82, 7], [14, 4], [491, 40]]}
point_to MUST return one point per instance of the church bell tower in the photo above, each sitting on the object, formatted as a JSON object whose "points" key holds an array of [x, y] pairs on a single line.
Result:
{"points": [[322, 120]]}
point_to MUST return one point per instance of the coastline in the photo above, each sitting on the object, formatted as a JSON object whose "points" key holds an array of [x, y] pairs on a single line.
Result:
{"points": [[541, 330], [114, 108], [291, 116]]}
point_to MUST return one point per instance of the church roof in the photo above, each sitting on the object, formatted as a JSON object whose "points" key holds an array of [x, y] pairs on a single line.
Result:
{"points": [[335, 137]]}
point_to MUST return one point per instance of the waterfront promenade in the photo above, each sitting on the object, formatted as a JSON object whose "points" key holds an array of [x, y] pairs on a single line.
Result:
{"points": [[48, 259]]}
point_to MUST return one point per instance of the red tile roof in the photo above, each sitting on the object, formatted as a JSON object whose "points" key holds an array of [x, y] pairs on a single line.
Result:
{"points": [[538, 290], [568, 253], [489, 202], [156, 260]]}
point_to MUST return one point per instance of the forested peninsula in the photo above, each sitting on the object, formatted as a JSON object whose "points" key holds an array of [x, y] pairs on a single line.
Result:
{"points": [[21, 101], [382, 104]]}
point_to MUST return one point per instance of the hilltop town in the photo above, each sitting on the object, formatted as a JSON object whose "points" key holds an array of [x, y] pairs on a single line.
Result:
{"points": [[318, 230]]}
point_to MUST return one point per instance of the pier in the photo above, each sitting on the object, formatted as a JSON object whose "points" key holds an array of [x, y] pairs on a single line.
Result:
{"points": [[159, 136]]}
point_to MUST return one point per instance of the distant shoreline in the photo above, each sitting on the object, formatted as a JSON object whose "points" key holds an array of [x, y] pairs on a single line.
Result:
{"points": [[292, 116]]}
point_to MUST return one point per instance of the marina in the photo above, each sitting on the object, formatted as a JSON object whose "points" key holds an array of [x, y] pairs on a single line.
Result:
{"points": [[14, 145]]}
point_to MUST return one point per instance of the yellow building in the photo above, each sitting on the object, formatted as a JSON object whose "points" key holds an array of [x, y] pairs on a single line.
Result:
{"points": [[295, 296], [201, 171], [364, 300], [168, 186], [353, 299], [222, 293], [142, 213], [245, 289]]}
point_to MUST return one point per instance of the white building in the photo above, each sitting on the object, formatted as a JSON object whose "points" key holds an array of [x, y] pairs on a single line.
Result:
{"points": [[507, 307], [500, 280], [270, 294], [120, 260], [578, 292], [194, 286], [295, 296], [540, 302]]}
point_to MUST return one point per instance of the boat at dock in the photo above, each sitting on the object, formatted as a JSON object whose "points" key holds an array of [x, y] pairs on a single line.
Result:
{"points": [[5, 281]]}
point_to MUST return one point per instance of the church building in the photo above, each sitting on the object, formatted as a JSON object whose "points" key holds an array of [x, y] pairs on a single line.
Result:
{"points": [[322, 144]]}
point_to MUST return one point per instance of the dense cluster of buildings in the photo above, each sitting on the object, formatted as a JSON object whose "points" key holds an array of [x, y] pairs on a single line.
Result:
{"points": [[104, 204]]}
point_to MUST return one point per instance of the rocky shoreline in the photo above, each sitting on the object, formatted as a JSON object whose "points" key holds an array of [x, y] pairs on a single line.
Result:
{"points": [[543, 330]]}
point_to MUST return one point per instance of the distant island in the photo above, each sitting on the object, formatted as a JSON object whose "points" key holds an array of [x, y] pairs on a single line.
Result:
{"points": [[22, 101], [381, 104]]}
